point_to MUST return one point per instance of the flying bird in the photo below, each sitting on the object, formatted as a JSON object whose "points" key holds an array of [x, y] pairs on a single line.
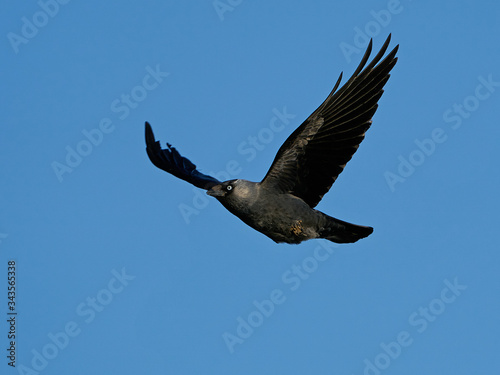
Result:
{"points": [[281, 206]]}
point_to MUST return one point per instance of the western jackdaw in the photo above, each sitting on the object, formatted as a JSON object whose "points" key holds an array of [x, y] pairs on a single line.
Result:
{"points": [[281, 206]]}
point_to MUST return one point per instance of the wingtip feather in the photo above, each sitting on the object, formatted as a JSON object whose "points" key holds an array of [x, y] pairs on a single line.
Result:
{"points": [[150, 137]]}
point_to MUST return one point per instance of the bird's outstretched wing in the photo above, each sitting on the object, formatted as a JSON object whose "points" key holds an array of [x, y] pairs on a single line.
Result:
{"points": [[174, 163], [310, 160]]}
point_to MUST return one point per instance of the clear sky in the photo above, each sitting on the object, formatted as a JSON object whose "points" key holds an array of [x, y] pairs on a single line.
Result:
{"points": [[121, 268]]}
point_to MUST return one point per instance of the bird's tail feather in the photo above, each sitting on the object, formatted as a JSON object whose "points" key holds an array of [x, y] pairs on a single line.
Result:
{"points": [[339, 231]]}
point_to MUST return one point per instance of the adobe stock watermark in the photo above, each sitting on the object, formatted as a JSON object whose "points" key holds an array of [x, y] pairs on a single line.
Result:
{"points": [[121, 108], [249, 148], [32, 25], [87, 312], [455, 115], [380, 20], [224, 6], [419, 322], [262, 310], [3, 236]]}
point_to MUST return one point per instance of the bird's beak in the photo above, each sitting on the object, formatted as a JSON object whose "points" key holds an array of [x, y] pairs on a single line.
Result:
{"points": [[216, 191]]}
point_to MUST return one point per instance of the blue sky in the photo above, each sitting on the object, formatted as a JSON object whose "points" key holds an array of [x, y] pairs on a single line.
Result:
{"points": [[121, 268]]}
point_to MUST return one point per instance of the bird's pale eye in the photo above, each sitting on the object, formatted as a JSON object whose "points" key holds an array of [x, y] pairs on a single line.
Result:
{"points": [[229, 188]]}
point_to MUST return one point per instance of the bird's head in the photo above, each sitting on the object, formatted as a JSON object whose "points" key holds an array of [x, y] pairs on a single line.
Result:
{"points": [[232, 189]]}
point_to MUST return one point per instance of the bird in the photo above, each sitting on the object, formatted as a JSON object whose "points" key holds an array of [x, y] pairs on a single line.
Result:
{"points": [[282, 205]]}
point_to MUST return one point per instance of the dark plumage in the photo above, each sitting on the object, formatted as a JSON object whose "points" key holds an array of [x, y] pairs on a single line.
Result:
{"points": [[281, 206]]}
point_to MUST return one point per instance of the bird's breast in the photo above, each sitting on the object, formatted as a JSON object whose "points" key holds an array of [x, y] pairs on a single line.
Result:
{"points": [[282, 217]]}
